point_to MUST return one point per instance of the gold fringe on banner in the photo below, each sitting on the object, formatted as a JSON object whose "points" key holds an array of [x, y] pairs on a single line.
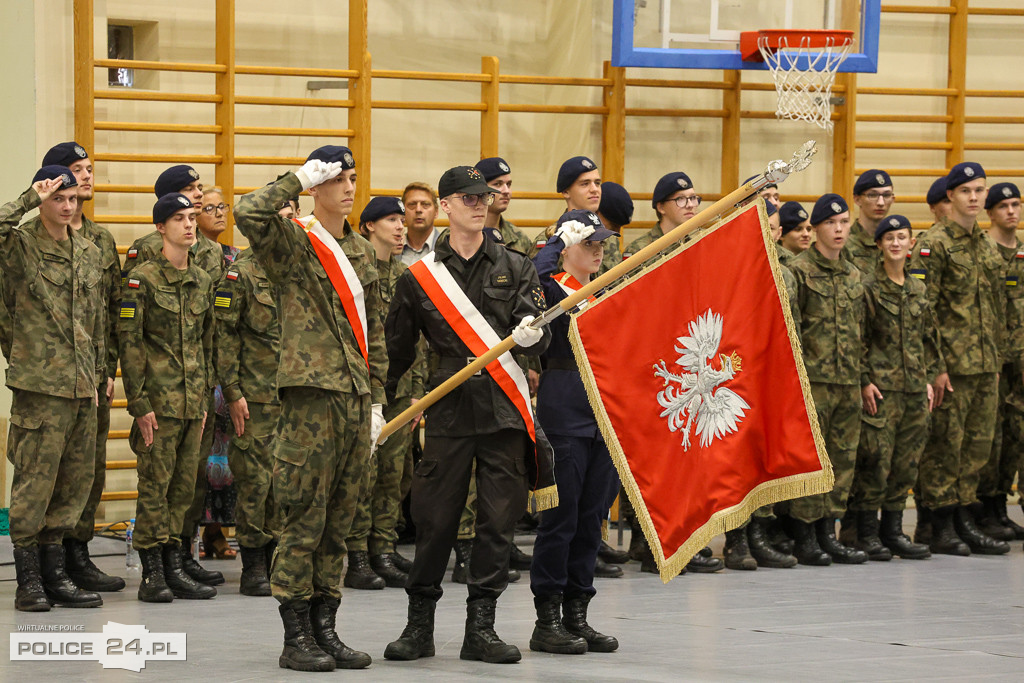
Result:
{"points": [[767, 493], [542, 499]]}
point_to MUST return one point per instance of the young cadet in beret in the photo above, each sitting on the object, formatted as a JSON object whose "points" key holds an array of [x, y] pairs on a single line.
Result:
{"points": [[965, 278], [499, 176], [996, 479], [55, 295], [371, 542], [938, 200], [165, 330], [76, 549], [675, 201], [330, 381], [615, 212], [873, 195], [796, 231], [770, 194], [569, 535], [579, 182], [829, 317], [901, 357]]}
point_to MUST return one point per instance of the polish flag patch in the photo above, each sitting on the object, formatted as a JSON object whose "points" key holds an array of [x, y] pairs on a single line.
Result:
{"points": [[231, 275], [925, 251], [133, 283], [133, 253]]}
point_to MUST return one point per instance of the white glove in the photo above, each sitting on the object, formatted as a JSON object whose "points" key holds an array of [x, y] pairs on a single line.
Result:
{"points": [[524, 335], [376, 425], [574, 232], [315, 171]]}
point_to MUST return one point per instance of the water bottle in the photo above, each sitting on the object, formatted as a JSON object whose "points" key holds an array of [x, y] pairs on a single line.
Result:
{"points": [[131, 556]]}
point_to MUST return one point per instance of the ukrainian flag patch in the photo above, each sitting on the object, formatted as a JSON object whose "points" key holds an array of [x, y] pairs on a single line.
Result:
{"points": [[223, 299], [1011, 280], [127, 309], [919, 273]]}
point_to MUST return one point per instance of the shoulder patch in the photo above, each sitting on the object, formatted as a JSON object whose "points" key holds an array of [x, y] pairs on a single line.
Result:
{"points": [[919, 273], [1020, 254], [231, 275], [1012, 280], [127, 309], [925, 251], [133, 253], [626, 255], [223, 299], [537, 294], [133, 283]]}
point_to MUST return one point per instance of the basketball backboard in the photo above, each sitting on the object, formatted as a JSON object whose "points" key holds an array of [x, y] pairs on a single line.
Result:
{"points": [[705, 34]]}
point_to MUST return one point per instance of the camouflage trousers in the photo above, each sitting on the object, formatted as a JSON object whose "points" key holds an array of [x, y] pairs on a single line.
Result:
{"points": [[838, 407], [996, 477], [960, 441], [321, 449], [50, 444], [891, 443], [83, 531], [167, 479], [250, 457], [374, 528], [196, 508]]}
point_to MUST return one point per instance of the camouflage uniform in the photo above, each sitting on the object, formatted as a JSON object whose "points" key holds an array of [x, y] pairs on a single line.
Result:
{"points": [[860, 249], [996, 477], [54, 295], [901, 355], [246, 345], [102, 238], [6, 324], [639, 243], [165, 329], [830, 316], [322, 443], [612, 256], [966, 287], [513, 237]]}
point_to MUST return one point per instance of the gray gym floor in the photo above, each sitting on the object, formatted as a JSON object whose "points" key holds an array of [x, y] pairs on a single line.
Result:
{"points": [[943, 618]]}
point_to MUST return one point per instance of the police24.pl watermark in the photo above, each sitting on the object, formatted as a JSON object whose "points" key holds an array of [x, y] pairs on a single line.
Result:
{"points": [[119, 646]]}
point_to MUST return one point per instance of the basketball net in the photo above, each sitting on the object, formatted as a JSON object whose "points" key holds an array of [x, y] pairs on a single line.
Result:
{"points": [[804, 77]]}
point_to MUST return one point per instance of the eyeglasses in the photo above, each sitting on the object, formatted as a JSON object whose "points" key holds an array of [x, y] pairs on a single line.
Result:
{"points": [[875, 196], [210, 208], [682, 202], [471, 200]]}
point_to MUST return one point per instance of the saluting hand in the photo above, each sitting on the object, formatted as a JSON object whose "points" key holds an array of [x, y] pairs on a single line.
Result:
{"points": [[239, 411], [45, 188], [147, 425]]}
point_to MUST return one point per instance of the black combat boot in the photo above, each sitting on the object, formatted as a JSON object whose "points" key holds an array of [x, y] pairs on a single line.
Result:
{"points": [[892, 537], [417, 640], [606, 571], [30, 596], [153, 586], [762, 551], [404, 564], [301, 653], [360, 575], [84, 573], [612, 555], [826, 530], [549, 635], [481, 642], [323, 612], [195, 570], [637, 544], [978, 542], [702, 563], [923, 528], [944, 539], [807, 550], [574, 618], [383, 567], [867, 536], [269, 549], [181, 584], [999, 505], [775, 531], [59, 588], [987, 519], [463, 550], [254, 580], [848, 529], [737, 552], [517, 559]]}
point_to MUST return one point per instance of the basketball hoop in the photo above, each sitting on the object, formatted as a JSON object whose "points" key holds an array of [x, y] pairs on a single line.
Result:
{"points": [[803, 64]]}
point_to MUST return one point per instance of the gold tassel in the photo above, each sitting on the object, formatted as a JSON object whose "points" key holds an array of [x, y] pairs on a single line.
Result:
{"points": [[542, 499]]}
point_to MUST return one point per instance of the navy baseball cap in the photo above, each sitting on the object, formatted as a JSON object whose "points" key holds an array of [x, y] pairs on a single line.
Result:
{"points": [[590, 218]]}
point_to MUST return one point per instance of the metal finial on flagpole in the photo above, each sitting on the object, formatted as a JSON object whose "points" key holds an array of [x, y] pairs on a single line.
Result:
{"points": [[778, 170]]}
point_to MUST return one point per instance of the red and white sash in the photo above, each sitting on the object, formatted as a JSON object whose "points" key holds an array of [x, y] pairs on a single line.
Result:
{"points": [[567, 282], [343, 278], [474, 331]]}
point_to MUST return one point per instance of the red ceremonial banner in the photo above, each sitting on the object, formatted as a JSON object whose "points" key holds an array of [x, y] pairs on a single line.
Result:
{"points": [[693, 369]]}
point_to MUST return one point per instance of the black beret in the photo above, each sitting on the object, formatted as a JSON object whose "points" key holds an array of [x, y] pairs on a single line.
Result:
{"points": [[937, 192], [828, 205], [492, 167], [791, 214], [871, 179], [964, 172], [1000, 192], [379, 207], [65, 154], [462, 179], [891, 222], [616, 204], [669, 184], [174, 179], [51, 171], [168, 205], [770, 208], [590, 218], [571, 170], [332, 153]]}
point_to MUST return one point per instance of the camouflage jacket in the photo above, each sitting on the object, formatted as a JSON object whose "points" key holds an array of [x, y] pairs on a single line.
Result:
{"points": [[640, 242], [412, 382], [830, 310], [901, 342], [6, 323], [318, 345], [860, 249], [785, 255], [206, 254], [165, 327], [54, 297], [513, 237], [247, 335], [102, 238], [965, 279]]}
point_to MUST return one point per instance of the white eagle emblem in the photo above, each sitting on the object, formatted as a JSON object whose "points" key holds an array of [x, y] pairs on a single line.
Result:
{"points": [[696, 394]]}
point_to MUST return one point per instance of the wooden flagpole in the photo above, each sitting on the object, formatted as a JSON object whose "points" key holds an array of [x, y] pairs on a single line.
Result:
{"points": [[776, 172]]}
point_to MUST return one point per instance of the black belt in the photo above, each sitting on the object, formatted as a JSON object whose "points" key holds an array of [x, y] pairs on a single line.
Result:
{"points": [[561, 364], [455, 363]]}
